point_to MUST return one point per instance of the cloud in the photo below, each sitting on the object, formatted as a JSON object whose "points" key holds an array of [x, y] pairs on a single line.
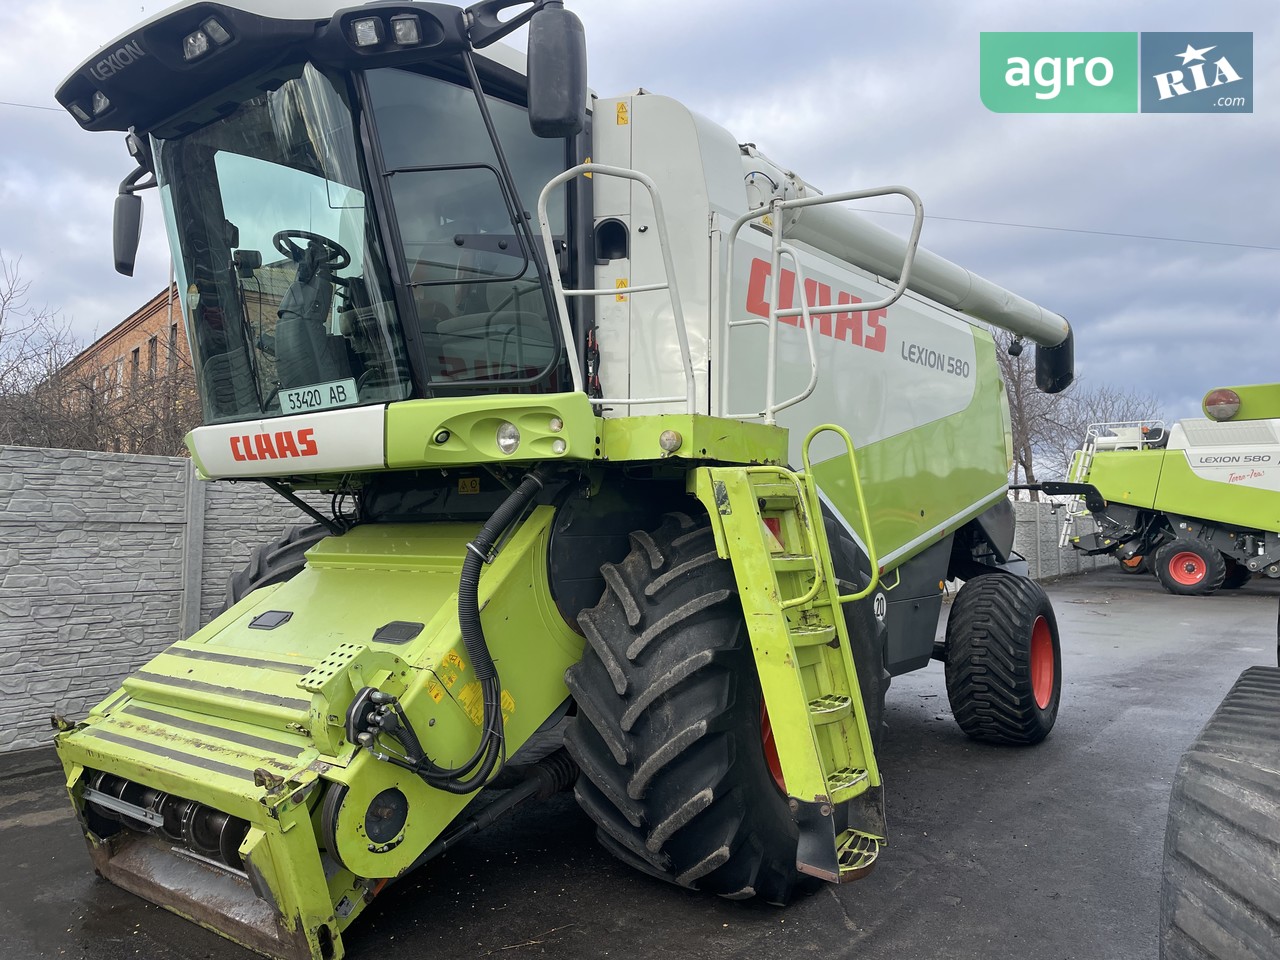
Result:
{"points": [[848, 95]]}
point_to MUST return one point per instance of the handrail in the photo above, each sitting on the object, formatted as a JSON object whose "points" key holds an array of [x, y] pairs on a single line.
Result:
{"points": [[784, 249], [774, 210], [869, 538], [804, 497], [562, 305]]}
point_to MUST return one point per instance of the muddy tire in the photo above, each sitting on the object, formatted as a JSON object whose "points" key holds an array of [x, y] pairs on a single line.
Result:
{"points": [[274, 562], [1219, 897], [1189, 568], [668, 732], [1237, 575], [1003, 660]]}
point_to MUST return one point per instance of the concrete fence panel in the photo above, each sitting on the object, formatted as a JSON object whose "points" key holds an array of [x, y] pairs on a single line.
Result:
{"points": [[106, 559]]}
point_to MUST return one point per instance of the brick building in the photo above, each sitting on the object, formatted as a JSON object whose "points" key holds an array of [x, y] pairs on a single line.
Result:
{"points": [[133, 389], [149, 344]]}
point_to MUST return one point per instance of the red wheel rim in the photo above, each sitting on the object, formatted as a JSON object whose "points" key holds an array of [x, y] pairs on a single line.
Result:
{"points": [[1042, 662], [1187, 568], [771, 750]]}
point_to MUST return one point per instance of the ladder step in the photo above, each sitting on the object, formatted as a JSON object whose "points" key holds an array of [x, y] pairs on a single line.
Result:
{"points": [[830, 709], [844, 780], [856, 852], [812, 636], [776, 490], [793, 563]]}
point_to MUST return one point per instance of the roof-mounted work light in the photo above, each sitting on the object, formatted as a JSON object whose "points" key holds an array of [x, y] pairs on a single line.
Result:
{"points": [[367, 31]]}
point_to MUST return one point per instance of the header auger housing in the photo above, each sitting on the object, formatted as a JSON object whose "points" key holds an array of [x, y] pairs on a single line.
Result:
{"points": [[588, 510]]}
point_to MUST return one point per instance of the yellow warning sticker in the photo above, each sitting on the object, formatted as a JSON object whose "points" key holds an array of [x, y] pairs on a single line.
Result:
{"points": [[468, 484], [508, 706], [620, 284], [588, 173], [452, 659], [435, 690], [623, 119], [471, 698]]}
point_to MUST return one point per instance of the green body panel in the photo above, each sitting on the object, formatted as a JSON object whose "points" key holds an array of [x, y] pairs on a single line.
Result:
{"points": [[923, 484], [702, 438], [1129, 476], [920, 485], [249, 721], [1259, 401], [1182, 492], [1163, 481], [413, 427]]}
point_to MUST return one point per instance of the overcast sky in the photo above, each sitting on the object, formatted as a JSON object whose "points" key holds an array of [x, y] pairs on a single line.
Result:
{"points": [[849, 95]]}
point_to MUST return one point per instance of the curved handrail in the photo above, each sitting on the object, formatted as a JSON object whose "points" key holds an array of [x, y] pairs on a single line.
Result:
{"points": [[867, 536]]}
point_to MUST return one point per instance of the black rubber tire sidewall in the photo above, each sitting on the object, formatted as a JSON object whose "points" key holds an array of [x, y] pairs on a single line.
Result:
{"points": [[274, 562], [988, 663], [1237, 575], [677, 801]]}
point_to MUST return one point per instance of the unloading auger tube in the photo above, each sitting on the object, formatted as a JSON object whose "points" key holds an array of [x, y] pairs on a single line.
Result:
{"points": [[844, 234]]}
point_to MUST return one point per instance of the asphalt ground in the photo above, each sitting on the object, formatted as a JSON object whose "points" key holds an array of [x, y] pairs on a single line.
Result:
{"points": [[1051, 852]]}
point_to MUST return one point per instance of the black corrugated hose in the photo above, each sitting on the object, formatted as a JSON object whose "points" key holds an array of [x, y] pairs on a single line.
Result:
{"points": [[491, 752]]}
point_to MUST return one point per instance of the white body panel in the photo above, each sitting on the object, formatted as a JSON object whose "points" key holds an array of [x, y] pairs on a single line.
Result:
{"points": [[1244, 454], [328, 442], [694, 164], [879, 375]]}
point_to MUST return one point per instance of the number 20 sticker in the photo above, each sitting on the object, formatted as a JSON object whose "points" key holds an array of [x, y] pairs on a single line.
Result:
{"points": [[881, 606]]}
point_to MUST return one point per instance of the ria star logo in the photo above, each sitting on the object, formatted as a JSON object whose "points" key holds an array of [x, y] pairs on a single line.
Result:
{"points": [[1191, 53]]}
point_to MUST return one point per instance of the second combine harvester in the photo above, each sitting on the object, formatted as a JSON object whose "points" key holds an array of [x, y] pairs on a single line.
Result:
{"points": [[581, 489]]}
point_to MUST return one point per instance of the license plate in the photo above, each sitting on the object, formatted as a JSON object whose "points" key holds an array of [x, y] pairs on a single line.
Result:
{"points": [[319, 396]]}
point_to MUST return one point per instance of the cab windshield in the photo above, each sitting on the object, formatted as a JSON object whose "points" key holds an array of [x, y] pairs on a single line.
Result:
{"points": [[288, 302]]}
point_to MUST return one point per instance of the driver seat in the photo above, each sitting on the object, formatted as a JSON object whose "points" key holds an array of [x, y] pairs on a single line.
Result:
{"points": [[304, 349]]}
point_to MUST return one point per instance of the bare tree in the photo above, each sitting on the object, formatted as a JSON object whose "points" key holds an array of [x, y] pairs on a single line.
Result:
{"points": [[46, 401], [1049, 428], [35, 344]]}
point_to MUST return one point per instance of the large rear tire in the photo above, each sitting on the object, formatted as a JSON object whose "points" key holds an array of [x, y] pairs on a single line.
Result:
{"points": [[1220, 899], [1003, 660], [1189, 568], [274, 562], [668, 732]]}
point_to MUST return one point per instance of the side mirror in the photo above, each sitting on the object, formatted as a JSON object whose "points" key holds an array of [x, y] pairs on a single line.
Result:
{"points": [[127, 231], [557, 72]]}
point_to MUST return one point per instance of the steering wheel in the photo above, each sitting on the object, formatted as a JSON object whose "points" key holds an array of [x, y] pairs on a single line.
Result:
{"points": [[336, 257]]}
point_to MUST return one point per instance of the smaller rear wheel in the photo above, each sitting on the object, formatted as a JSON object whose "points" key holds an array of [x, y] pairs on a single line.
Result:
{"points": [[1136, 564], [1004, 661], [1190, 568]]}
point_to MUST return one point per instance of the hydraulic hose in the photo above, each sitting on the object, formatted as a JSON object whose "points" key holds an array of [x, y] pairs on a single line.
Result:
{"points": [[469, 582], [491, 752]]}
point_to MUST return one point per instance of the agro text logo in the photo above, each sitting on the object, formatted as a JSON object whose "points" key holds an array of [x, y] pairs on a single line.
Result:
{"points": [[1060, 72]]}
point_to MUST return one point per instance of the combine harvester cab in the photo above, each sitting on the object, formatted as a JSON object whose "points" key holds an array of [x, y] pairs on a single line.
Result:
{"points": [[1197, 504], [640, 475]]}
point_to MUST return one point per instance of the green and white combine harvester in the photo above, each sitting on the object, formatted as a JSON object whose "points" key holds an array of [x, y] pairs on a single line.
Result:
{"points": [[561, 368], [1197, 504]]}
